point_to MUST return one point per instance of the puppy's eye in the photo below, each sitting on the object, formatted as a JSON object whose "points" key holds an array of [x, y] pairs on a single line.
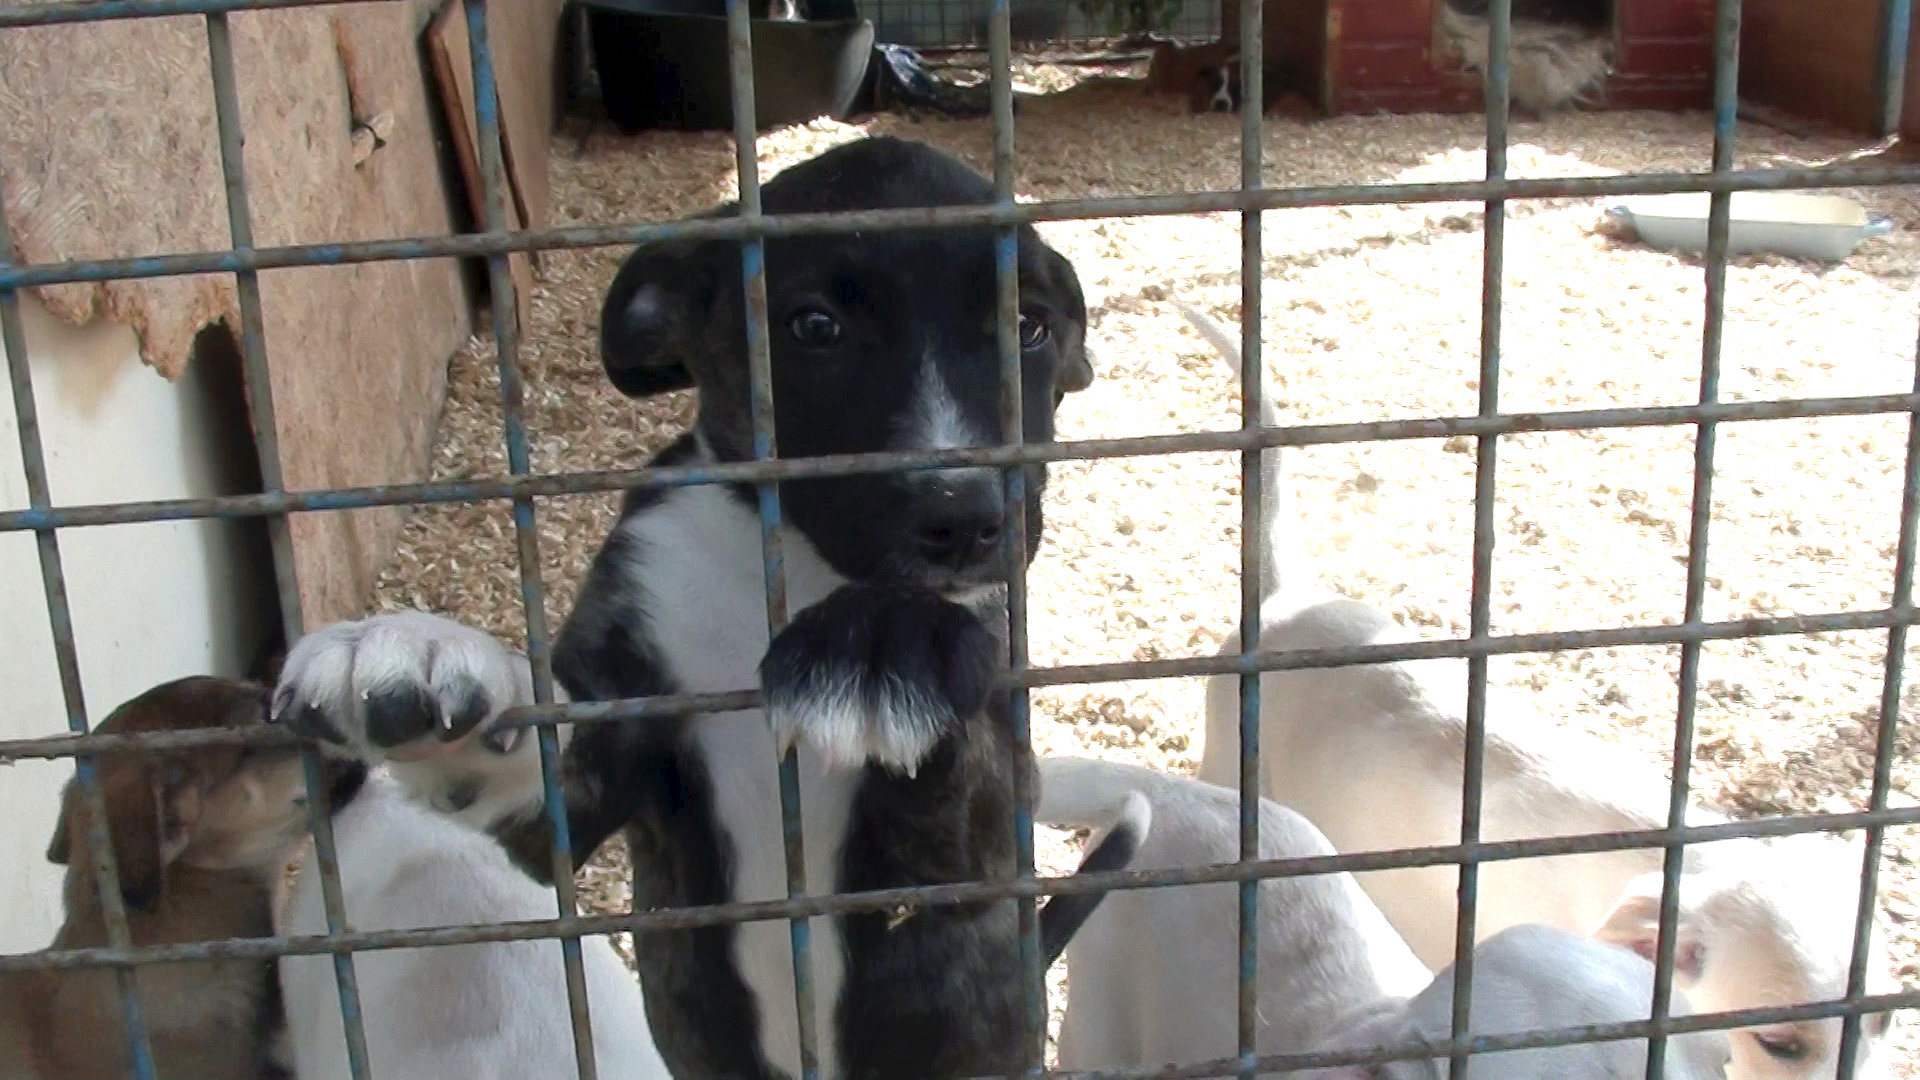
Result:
{"points": [[1034, 331], [1781, 1045], [813, 328]]}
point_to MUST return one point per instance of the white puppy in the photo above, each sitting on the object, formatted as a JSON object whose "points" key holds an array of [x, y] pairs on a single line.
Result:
{"points": [[1373, 756], [1530, 978], [487, 1011], [1153, 974]]}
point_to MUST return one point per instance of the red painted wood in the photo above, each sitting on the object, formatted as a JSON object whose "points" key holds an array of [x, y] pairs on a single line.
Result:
{"points": [[1387, 20], [1664, 18], [1385, 59], [1401, 63]]}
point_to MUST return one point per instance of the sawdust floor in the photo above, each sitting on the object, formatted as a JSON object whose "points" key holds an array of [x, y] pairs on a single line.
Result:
{"points": [[1370, 313]]}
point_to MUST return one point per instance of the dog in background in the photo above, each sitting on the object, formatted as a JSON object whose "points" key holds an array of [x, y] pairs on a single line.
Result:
{"points": [[202, 838], [1531, 978], [1152, 976], [1373, 755], [1218, 87], [881, 341]]}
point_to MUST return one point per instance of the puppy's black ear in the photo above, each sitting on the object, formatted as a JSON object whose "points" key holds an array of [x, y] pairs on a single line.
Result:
{"points": [[657, 308], [1075, 370]]}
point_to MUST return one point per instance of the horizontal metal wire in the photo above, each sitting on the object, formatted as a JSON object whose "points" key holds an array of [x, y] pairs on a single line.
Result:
{"points": [[1632, 1029], [63, 12], [674, 705], [581, 483], [579, 236], [923, 896]]}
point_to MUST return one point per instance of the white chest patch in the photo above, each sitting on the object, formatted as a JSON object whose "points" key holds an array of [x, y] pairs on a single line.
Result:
{"points": [[704, 594]]}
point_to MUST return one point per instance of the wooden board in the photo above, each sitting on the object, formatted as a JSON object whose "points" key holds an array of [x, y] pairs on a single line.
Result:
{"points": [[526, 56], [1813, 60], [452, 56]]}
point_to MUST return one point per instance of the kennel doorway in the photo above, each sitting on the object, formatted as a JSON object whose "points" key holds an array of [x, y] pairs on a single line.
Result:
{"points": [[1394, 56]]}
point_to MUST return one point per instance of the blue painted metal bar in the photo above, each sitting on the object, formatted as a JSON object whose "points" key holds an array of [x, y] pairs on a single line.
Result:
{"points": [[506, 333], [1726, 83], [106, 869], [1885, 742], [958, 893], [1252, 529], [1031, 1059], [238, 506], [1077, 674], [1896, 27], [1497, 85], [62, 12], [471, 244], [266, 436], [753, 272]]}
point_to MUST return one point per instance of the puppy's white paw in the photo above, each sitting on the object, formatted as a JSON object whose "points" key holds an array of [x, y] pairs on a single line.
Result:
{"points": [[877, 673], [404, 686]]}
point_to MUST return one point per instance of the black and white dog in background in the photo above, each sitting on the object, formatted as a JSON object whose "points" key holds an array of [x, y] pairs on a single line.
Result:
{"points": [[880, 341]]}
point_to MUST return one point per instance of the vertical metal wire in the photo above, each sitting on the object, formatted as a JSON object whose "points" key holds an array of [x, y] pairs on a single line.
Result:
{"points": [[1726, 83], [1889, 730], [1252, 532], [506, 332], [1032, 1057], [1485, 490], [106, 870], [1896, 23], [266, 437], [753, 270]]}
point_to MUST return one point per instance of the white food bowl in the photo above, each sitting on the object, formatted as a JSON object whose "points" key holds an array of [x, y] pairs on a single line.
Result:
{"points": [[1824, 227]]}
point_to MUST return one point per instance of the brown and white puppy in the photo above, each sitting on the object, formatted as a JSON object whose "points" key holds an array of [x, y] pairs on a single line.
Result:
{"points": [[201, 837]]}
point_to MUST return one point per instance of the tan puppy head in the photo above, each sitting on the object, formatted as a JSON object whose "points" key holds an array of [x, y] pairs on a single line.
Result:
{"points": [[212, 807]]}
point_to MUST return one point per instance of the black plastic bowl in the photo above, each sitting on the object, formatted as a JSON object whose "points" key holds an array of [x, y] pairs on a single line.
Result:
{"points": [[663, 63]]}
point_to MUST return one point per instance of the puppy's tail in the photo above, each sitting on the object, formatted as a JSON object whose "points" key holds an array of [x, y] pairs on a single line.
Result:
{"points": [[1273, 531], [1077, 796]]}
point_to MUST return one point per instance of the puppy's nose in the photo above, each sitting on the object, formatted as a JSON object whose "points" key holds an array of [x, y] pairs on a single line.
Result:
{"points": [[958, 524]]}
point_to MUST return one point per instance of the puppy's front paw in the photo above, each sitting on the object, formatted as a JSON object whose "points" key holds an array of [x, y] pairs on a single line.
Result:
{"points": [[877, 673], [404, 686]]}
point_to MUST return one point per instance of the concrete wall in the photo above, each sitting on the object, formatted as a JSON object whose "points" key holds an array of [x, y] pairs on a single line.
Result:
{"points": [[150, 602]]}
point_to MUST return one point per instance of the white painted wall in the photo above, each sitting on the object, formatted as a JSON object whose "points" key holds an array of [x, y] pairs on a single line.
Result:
{"points": [[151, 602]]}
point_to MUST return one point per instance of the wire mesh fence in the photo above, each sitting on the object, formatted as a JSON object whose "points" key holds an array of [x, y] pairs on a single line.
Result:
{"points": [[751, 228]]}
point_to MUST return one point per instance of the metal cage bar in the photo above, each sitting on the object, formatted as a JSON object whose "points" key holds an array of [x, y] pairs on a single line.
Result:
{"points": [[1726, 81], [944, 217], [266, 435], [1497, 82], [1031, 1058], [1886, 731], [1896, 26], [974, 892], [751, 228], [648, 477], [106, 870], [506, 331], [1252, 529], [1286, 660], [753, 270]]}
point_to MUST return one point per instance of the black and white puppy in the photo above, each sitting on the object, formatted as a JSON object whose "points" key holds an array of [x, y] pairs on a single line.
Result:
{"points": [[880, 341]]}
